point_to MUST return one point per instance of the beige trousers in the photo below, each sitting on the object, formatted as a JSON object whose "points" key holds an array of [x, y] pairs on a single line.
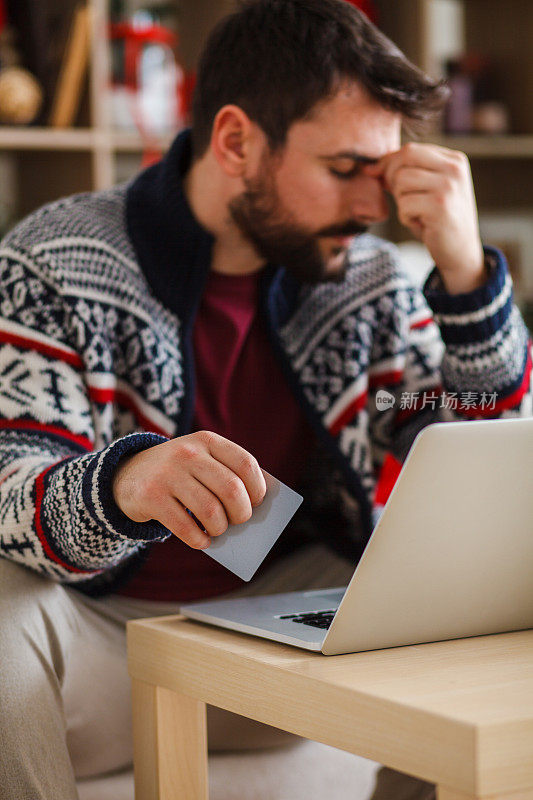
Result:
{"points": [[65, 709]]}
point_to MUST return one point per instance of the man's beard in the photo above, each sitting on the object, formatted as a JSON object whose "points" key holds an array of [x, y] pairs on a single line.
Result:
{"points": [[259, 215]]}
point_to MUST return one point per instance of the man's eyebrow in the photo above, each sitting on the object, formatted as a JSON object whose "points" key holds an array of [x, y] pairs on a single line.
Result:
{"points": [[358, 158]]}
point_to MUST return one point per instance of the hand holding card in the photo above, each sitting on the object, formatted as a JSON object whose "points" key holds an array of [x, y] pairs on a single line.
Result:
{"points": [[243, 548], [195, 485]]}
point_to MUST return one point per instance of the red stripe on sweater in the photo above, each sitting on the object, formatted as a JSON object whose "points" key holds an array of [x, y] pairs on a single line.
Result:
{"points": [[422, 323], [39, 494], [124, 400], [348, 414], [28, 425], [49, 350], [387, 478], [386, 378]]}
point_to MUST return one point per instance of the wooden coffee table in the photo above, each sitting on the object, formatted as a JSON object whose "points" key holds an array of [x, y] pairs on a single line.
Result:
{"points": [[458, 713]]}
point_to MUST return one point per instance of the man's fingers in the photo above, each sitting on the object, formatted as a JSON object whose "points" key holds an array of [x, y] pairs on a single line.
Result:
{"points": [[205, 505], [413, 179], [225, 485], [173, 516], [417, 154], [417, 210], [240, 462], [430, 158]]}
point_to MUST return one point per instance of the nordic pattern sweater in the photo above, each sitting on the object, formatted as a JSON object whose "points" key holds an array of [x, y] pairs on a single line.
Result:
{"points": [[98, 295]]}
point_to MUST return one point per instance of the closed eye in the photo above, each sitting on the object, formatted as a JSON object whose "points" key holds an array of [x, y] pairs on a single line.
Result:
{"points": [[345, 176]]}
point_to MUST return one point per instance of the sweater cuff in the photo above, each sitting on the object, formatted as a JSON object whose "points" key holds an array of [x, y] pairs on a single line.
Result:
{"points": [[98, 493], [473, 316]]}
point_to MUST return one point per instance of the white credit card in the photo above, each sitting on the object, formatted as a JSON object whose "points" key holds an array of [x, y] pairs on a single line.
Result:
{"points": [[243, 548]]}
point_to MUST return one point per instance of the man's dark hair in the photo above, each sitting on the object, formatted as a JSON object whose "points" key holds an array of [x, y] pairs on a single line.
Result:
{"points": [[276, 59]]}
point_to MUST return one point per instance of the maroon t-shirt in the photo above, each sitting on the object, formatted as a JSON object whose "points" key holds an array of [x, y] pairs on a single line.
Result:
{"points": [[242, 394]]}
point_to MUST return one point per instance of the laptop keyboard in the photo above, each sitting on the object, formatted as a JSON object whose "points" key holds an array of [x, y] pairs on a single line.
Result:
{"points": [[318, 619]]}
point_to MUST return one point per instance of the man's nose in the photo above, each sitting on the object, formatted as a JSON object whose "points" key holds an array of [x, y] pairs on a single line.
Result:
{"points": [[369, 201]]}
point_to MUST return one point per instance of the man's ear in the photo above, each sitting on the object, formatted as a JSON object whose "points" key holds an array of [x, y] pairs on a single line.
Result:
{"points": [[233, 140]]}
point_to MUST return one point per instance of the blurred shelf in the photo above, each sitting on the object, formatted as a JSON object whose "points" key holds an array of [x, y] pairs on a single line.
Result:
{"points": [[77, 139], [123, 142], [518, 146], [33, 138]]}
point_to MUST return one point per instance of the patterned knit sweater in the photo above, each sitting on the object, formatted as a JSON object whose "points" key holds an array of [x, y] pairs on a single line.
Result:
{"points": [[98, 295]]}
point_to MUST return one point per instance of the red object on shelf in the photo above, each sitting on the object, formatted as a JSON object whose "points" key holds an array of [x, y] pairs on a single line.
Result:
{"points": [[134, 39], [367, 7]]}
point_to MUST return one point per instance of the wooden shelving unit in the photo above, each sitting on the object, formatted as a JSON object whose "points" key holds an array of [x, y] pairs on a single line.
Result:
{"points": [[85, 158], [66, 160], [490, 147]]}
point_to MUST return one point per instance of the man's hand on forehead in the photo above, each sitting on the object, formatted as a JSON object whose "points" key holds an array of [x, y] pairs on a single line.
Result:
{"points": [[433, 191]]}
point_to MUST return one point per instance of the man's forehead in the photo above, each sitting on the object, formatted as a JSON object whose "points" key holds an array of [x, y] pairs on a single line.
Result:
{"points": [[351, 125], [363, 140]]}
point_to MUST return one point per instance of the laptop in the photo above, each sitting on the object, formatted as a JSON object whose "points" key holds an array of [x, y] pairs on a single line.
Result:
{"points": [[451, 556]]}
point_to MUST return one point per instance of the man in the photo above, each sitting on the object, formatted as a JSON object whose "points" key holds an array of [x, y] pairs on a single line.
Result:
{"points": [[223, 312]]}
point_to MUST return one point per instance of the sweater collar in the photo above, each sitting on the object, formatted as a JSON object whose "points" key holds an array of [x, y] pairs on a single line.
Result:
{"points": [[173, 249]]}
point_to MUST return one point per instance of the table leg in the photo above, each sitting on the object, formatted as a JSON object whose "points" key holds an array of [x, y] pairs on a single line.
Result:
{"points": [[169, 744], [450, 794]]}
